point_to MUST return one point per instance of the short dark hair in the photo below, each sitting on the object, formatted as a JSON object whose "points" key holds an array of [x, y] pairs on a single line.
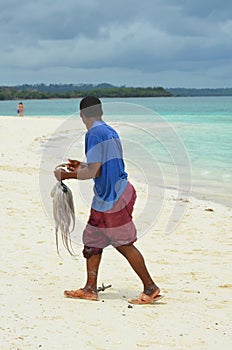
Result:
{"points": [[91, 106]]}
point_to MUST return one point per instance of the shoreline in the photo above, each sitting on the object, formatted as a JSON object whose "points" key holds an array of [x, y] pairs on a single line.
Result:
{"points": [[58, 120]]}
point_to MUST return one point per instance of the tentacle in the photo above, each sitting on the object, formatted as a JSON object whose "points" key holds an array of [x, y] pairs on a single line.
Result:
{"points": [[64, 215]]}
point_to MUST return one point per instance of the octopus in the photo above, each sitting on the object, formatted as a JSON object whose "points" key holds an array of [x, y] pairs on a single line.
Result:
{"points": [[64, 215]]}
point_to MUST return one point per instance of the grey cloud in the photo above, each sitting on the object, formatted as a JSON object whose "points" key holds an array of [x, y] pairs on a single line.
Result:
{"points": [[47, 19], [214, 8], [150, 36]]}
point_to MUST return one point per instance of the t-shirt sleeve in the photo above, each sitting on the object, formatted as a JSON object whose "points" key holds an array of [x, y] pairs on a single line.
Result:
{"points": [[93, 149]]}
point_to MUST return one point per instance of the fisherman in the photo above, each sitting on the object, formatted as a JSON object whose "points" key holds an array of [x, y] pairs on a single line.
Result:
{"points": [[110, 221]]}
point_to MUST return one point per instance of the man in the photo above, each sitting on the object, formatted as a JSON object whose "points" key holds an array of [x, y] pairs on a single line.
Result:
{"points": [[110, 221]]}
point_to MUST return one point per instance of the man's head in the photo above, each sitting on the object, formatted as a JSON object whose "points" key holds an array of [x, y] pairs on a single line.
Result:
{"points": [[90, 107]]}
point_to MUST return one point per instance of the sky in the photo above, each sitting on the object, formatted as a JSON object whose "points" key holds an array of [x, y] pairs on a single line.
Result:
{"points": [[169, 43]]}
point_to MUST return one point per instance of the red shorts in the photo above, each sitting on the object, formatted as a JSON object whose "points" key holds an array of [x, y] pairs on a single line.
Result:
{"points": [[113, 227]]}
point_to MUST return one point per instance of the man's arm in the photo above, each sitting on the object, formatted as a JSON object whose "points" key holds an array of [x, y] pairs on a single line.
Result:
{"points": [[88, 171], [83, 172]]}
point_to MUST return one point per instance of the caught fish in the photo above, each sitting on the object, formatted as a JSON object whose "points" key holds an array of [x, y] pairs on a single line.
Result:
{"points": [[64, 214]]}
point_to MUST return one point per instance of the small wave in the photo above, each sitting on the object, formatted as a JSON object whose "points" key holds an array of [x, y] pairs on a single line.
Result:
{"points": [[205, 173], [226, 177]]}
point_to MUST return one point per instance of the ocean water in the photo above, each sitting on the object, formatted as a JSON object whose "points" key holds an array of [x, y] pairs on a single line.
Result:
{"points": [[185, 142]]}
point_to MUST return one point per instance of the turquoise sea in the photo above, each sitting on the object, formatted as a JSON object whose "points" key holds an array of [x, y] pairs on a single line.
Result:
{"points": [[183, 135]]}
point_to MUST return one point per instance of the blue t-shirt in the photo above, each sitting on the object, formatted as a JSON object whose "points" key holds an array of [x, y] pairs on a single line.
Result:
{"points": [[102, 144]]}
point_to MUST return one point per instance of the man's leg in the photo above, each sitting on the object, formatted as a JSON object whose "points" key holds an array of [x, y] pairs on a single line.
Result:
{"points": [[92, 266], [136, 260], [90, 289]]}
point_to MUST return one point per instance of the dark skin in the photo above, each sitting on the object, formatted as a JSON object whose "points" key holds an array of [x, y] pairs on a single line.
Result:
{"points": [[83, 171], [78, 170]]}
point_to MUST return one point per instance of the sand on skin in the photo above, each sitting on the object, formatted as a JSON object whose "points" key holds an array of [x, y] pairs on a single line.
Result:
{"points": [[192, 265]]}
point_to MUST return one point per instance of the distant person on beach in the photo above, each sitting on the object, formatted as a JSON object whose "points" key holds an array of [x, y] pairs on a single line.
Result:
{"points": [[110, 221], [20, 109]]}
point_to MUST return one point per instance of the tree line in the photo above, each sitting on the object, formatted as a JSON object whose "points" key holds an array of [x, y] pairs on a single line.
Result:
{"points": [[192, 92], [42, 91]]}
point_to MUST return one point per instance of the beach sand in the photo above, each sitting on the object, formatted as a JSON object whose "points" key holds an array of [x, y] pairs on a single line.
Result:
{"points": [[192, 266]]}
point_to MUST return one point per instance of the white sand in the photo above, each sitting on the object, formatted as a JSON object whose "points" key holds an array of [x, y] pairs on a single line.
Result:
{"points": [[192, 265]]}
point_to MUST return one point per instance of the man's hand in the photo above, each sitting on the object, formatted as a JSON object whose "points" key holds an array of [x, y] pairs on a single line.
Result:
{"points": [[61, 174], [73, 164], [78, 170]]}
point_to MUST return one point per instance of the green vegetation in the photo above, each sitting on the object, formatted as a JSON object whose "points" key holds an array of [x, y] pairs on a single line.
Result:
{"points": [[200, 92], [42, 91]]}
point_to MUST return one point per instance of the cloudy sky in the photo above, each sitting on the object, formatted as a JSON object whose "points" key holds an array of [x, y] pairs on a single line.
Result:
{"points": [[170, 43]]}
